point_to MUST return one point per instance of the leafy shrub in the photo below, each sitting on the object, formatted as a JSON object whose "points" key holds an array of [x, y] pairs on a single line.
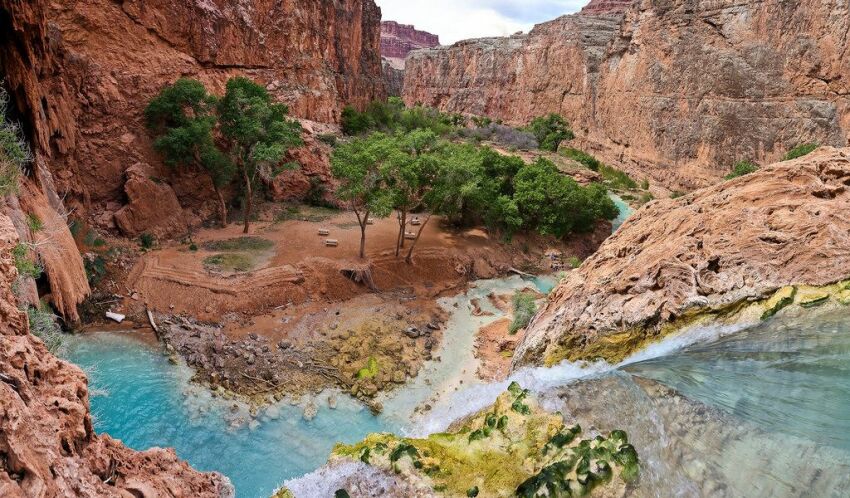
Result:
{"points": [[34, 223], [15, 153], [503, 135], [392, 116], [550, 131], [574, 262], [147, 241], [24, 264], [481, 121], [95, 269], [193, 247], [44, 325], [525, 306], [584, 158], [800, 151], [328, 138], [644, 185], [742, 168]]}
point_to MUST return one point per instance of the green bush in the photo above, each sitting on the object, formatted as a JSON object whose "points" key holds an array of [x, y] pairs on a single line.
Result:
{"points": [[393, 116], [147, 241], [550, 131], [34, 223], [525, 306], [24, 264], [15, 153], [574, 262], [328, 138], [644, 185], [95, 269], [742, 168], [800, 151], [584, 158], [44, 325]]}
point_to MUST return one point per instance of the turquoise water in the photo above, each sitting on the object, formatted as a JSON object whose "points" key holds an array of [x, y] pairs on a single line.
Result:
{"points": [[625, 211], [790, 376], [139, 397], [768, 409], [142, 399]]}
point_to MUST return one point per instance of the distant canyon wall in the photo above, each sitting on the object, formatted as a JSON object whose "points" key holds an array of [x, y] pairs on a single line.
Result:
{"points": [[675, 91], [81, 74], [398, 40]]}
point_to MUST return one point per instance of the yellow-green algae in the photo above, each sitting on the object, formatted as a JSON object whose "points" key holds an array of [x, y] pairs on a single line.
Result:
{"points": [[618, 346], [512, 448]]}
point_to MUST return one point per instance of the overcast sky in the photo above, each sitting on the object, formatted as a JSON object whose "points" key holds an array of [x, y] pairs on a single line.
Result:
{"points": [[457, 20]]}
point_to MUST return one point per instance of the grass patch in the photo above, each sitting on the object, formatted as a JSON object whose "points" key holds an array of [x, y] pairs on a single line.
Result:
{"points": [[525, 306], [24, 264], [800, 151], [313, 214], [229, 262], [44, 325], [617, 179], [239, 244], [582, 157], [741, 169]]}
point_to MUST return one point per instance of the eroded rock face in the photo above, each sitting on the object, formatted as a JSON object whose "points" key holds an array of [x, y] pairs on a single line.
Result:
{"points": [[81, 74], [47, 444], [606, 6], [756, 242], [398, 40], [674, 91]]}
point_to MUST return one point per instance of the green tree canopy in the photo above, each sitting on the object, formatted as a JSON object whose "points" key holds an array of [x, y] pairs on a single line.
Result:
{"points": [[550, 131], [183, 118], [258, 134], [360, 166]]}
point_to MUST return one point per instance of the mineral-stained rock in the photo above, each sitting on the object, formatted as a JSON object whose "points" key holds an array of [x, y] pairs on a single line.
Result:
{"points": [[512, 448], [47, 444], [737, 244], [676, 91], [81, 73]]}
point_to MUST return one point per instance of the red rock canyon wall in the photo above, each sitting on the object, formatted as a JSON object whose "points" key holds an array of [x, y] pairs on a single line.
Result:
{"points": [[675, 91]]}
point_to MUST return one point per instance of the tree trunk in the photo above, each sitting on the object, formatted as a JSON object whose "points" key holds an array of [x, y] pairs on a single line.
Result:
{"points": [[249, 201], [409, 258], [363, 222], [222, 206], [402, 223]]}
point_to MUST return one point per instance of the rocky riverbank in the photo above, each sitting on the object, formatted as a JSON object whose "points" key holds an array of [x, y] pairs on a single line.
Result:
{"points": [[740, 250]]}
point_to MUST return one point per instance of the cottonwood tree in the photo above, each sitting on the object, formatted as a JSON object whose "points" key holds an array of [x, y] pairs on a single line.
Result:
{"points": [[359, 167], [258, 134], [409, 174], [550, 131], [183, 117]]}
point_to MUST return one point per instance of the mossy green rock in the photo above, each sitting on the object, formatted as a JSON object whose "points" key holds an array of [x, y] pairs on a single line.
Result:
{"points": [[512, 448], [783, 297], [813, 298]]}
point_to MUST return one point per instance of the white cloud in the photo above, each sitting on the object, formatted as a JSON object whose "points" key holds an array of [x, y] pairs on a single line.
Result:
{"points": [[456, 20]]}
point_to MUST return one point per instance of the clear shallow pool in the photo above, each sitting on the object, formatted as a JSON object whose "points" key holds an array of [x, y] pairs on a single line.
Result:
{"points": [[138, 396]]}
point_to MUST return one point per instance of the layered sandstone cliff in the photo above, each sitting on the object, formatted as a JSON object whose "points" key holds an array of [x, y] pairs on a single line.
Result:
{"points": [[398, 40], [743, 249], [48, 447], [674, 91], [81, 74]]}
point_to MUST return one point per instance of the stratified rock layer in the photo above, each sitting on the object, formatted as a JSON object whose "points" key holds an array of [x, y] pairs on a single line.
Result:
{"points": [[48, 447], [81, 73], [712, 252], [398, 40], [674, 91]]}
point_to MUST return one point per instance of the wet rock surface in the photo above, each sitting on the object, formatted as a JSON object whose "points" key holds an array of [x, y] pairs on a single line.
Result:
{"points": [[708, 253]]}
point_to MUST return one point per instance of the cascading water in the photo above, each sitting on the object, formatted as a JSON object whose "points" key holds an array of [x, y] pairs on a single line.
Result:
{"points": [[714, 412]]}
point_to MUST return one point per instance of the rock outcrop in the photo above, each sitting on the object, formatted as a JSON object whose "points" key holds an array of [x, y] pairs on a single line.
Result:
{"points": [[398, 40], [741, 250], [47, 444], [81, 73], [606, 6], [674, 91]]}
